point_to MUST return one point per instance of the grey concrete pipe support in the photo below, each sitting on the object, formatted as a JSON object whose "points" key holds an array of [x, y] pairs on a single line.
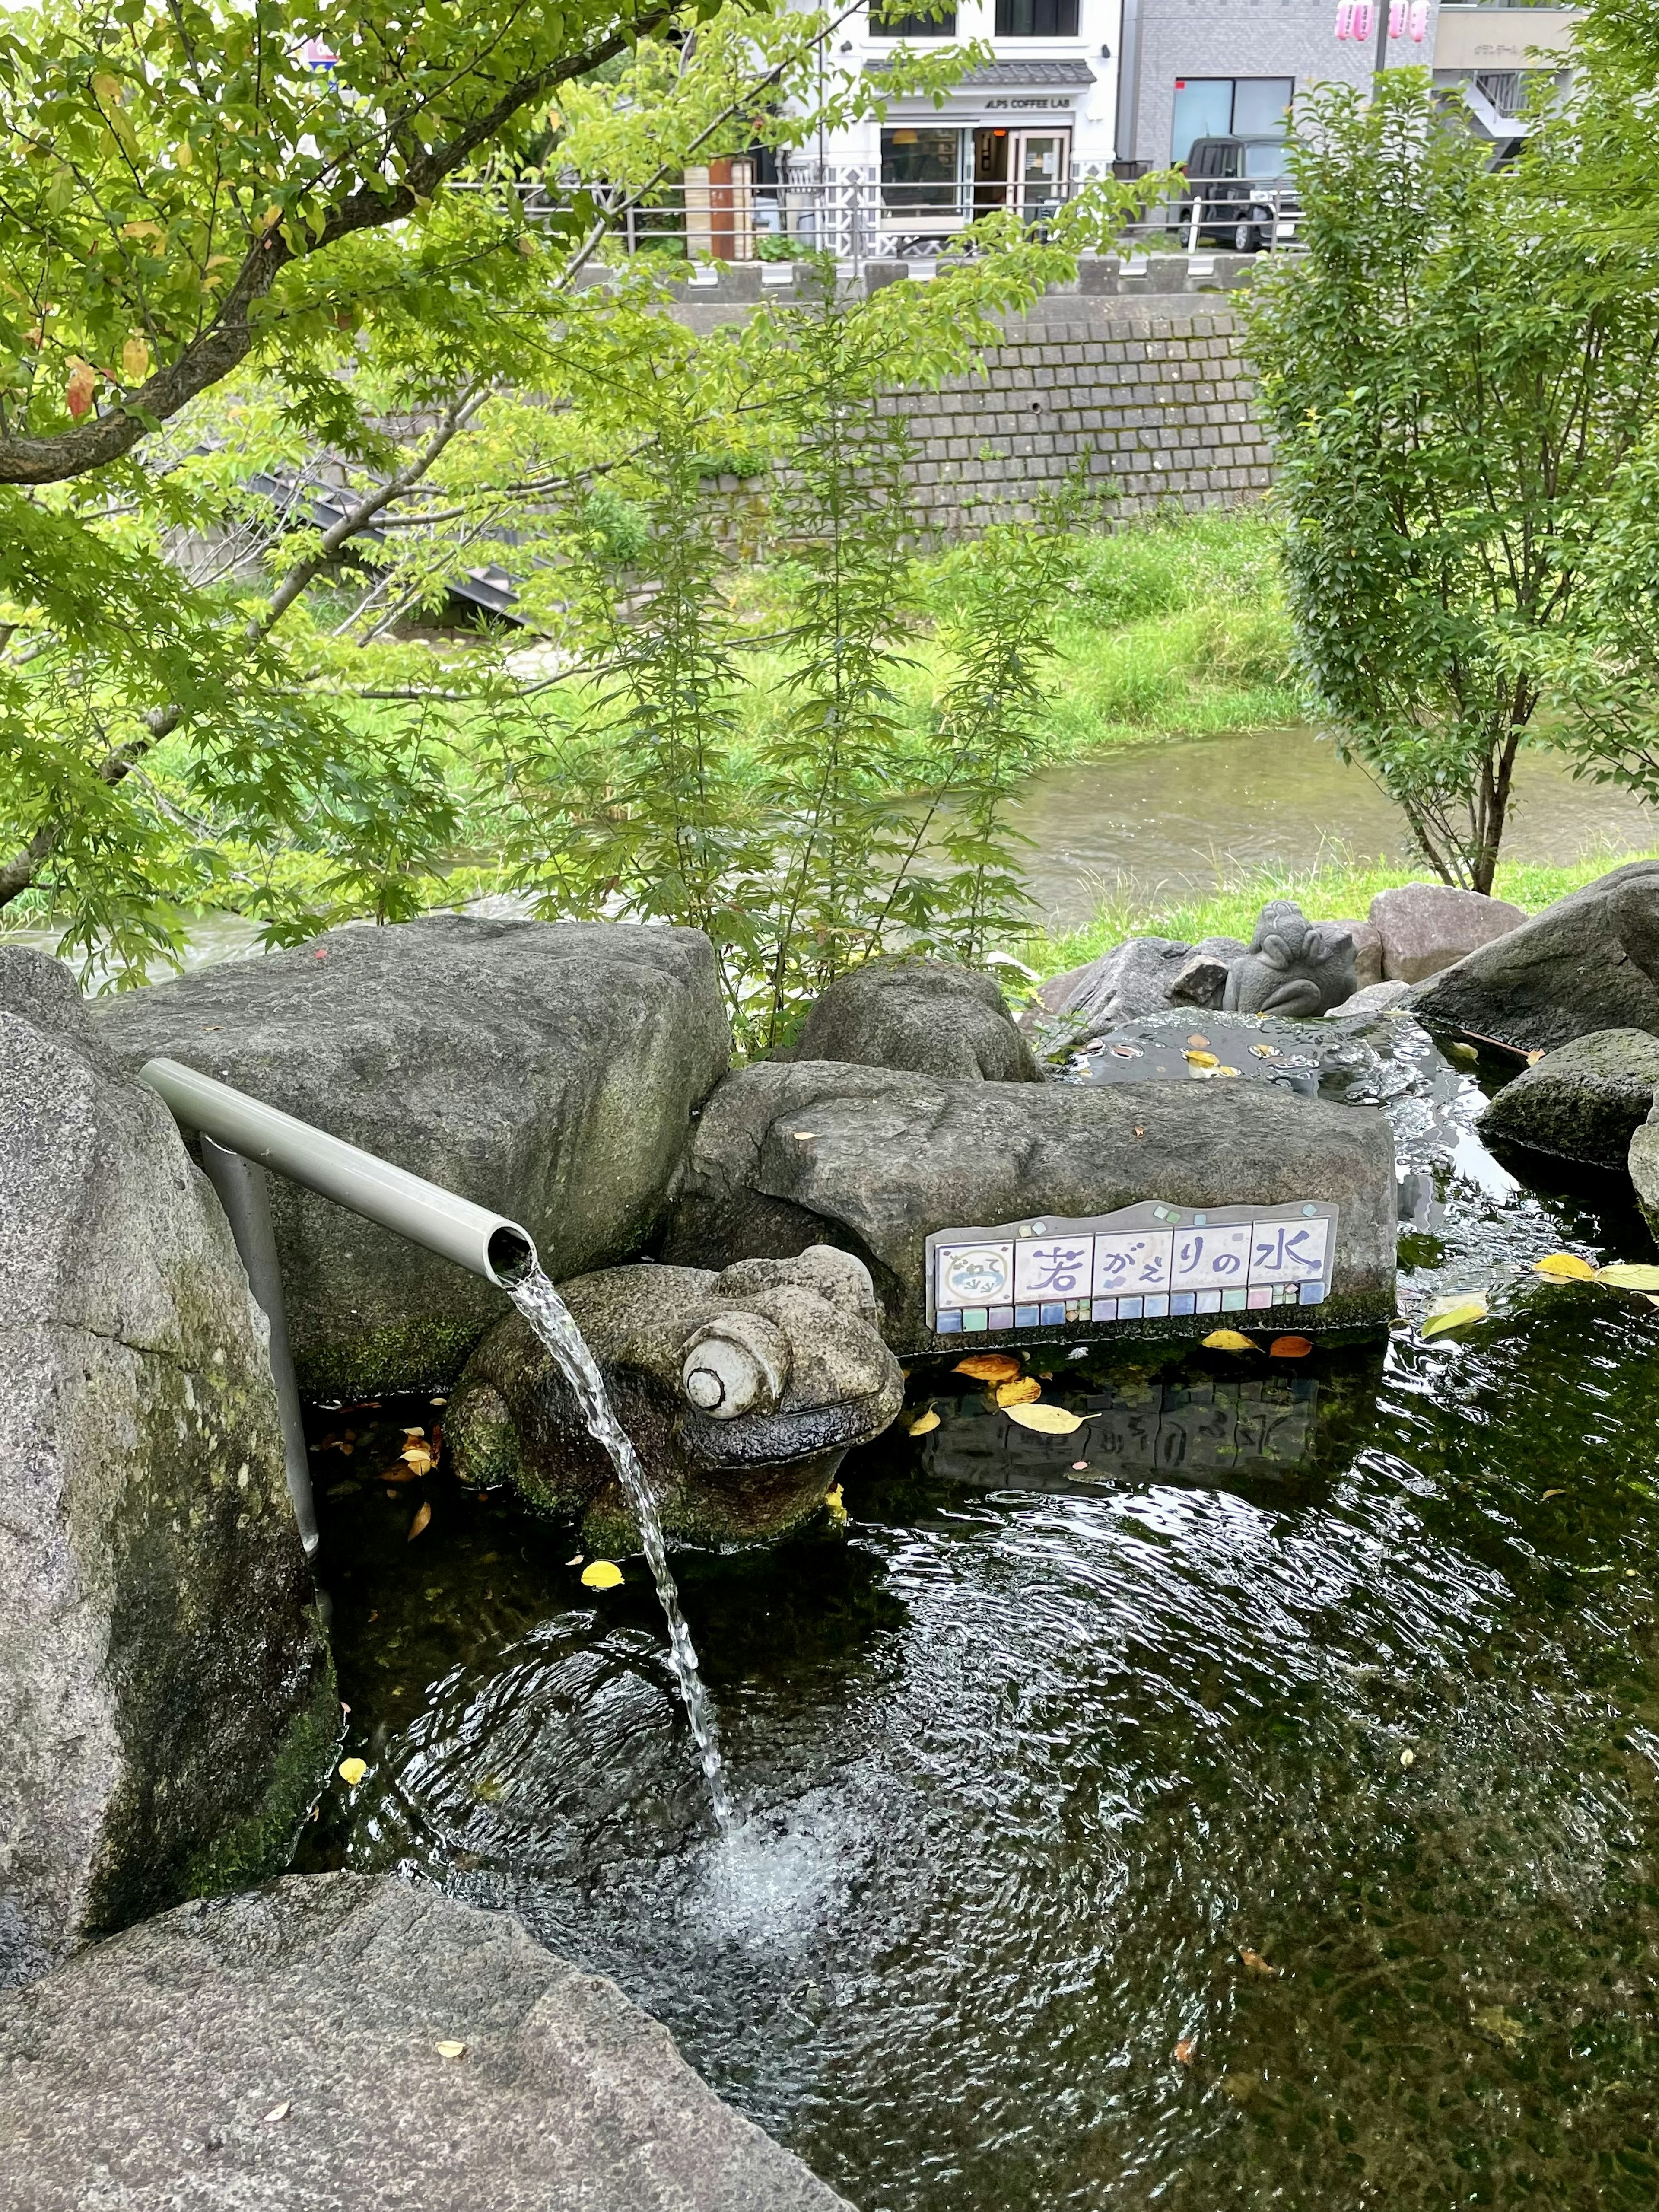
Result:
{"points": [[243, 1194], [486, 1243]]}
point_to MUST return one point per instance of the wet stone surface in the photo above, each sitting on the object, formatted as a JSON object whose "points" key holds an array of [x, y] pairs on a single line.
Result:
{"points": [[1249, 1799]]}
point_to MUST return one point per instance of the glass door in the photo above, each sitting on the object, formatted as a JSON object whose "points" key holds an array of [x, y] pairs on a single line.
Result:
{"points": [[1039, 161]]}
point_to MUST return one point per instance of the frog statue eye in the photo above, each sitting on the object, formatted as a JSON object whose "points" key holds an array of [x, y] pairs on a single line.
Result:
{"points": [[738, 1363]]}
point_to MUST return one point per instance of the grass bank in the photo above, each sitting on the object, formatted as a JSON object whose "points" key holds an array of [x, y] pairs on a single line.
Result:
{"points": [[1172, 626], [1340, 891]]}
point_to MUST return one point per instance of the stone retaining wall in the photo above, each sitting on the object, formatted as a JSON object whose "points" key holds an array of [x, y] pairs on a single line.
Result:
{"points": [[1144, 393]]}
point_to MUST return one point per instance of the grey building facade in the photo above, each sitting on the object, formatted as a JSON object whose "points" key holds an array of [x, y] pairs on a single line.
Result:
{"points": [[1189, 69]]}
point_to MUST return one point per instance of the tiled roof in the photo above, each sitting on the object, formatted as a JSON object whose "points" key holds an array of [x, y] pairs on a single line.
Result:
{"points": [[1059, 71]]}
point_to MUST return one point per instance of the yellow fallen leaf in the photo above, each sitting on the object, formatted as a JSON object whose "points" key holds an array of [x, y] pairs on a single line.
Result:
{"points": [[1408, 1759], [1227, 1070], [352, 1770], [1264, 1051], [1628, 1275], [450, 2050], [1024, 1392], [603, 1574], [1184, 2050], [1049, 1420], [1228, 1340], [835, 1506], [1256, 1963], [1201, 1059], [417, 1458], [1454, 1313], [1551, 1493], [1567, 1265], [1532, 1059], [989, 1366], [418, 1524], [277, 2112], [924, 1423]]}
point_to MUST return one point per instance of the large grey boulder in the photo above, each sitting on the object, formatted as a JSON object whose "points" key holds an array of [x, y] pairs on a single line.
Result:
{"points": [[167, 1705], [928, 1016], [1142, 976], [1426, 926], [549, 1071], [796, 1153], [741, 1392], [283, 2051], [1583, 1102], [1588, 963], [1643, 1161]]}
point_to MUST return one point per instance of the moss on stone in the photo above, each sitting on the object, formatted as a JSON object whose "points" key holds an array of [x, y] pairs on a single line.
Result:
{"points": [[419, 1355], [261, 1846]]}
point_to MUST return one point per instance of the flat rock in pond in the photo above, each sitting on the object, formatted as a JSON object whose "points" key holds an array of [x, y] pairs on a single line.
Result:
{"points": [[1588, 963], [282, 2051], [168, 1707], [1424, 928], [1583, 1102], [929, 1017], [789, 1154], [548, 1070]]}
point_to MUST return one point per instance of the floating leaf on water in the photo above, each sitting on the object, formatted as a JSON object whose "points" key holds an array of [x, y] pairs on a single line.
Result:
{"points": [[1264, 1051], [1552, 1493], [277, 2112], [450, 2050], [835, 1506], [1227, 1070], [417, 1458], [1628, 1275], [1289, 1347], [1228, 1340], [924, 1423], [352, 1770], [1408, 1759], [1255, 1963], [1502, 2026], [418, 1524], [1050, 1420], [398, 1473], [1464, 1052], [989, 1366], [1454, 1313], [1184, 2050], [1565, 1266], [1024, 1392], [1200, 1059], [1200, 1041], [603, 1574]]}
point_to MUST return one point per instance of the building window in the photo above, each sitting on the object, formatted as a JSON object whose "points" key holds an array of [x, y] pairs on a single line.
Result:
{"points": [[921, 170], [896, 23], [1253, 110], [1036, 19]]}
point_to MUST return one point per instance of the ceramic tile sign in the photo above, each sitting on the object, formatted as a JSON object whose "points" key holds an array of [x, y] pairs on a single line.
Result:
{"points": [[1150, 1261]]}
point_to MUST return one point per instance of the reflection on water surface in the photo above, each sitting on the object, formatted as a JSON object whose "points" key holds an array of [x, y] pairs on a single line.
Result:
{"points": [[1310, 1726]]}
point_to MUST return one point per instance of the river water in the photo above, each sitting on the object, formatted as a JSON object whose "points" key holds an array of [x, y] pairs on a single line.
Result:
{"points": [[1261, 1813], [1180, 817]]}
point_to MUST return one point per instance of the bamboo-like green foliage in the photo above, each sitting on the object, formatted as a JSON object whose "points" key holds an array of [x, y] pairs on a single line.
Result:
{"points": [[1457, 375]]}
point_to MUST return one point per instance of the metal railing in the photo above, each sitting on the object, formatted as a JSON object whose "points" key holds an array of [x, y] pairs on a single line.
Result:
{"points": [[725, 214]]}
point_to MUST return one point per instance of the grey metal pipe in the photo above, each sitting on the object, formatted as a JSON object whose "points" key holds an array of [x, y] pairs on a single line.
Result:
{"points": [[246, 1199], [487, 1243]]}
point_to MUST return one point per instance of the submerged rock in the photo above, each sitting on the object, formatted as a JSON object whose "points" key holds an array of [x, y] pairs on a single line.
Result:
{"points": [[349, 2042], [1583, 1102], [741, 1392], [1588, 963], [549, 1071], [1426, 927], [1293, 966], [167, 1702], [928, 1016], [796, 1153]]}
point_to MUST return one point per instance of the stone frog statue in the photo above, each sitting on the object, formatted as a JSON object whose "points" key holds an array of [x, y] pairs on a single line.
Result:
{"points": [[742, 1391], [1293, 966]]}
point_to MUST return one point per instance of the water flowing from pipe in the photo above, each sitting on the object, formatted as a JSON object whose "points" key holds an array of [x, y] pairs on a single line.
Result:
{"points": [[549, 1315]]}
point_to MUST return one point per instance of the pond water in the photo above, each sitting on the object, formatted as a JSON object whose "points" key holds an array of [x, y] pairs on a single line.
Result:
{"points": [[1261, 1813], [1183, 815]]}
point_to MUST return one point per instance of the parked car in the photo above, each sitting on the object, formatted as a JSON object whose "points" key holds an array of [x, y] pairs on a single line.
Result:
{"points": [[1238, 211]]}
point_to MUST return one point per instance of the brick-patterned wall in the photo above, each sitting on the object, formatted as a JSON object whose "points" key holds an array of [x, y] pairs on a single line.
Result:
{"points": [[1143, 391], [1147, 398]]}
